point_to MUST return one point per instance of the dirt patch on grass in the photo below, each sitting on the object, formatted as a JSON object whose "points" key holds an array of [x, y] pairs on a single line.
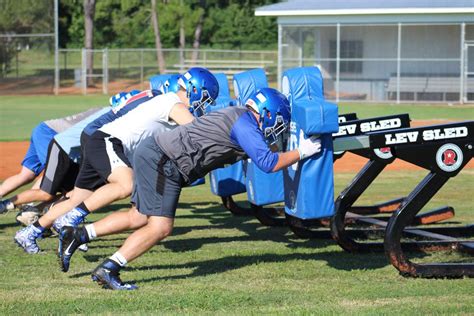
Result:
{"points": [[44, 85], [11, 156]]}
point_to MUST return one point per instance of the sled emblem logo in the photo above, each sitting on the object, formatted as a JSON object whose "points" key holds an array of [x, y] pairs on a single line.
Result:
{"points": [[449, 157], [384, 153]]}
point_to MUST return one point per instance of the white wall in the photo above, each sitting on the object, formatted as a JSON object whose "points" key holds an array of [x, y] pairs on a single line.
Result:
{"points": [[425, 50], [380, 42]]}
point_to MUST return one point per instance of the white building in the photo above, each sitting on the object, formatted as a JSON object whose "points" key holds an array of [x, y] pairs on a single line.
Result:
{"points": [[381, 50]]}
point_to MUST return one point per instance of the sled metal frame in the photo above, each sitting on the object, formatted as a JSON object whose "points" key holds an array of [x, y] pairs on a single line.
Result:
{"points": [[423, 154]]}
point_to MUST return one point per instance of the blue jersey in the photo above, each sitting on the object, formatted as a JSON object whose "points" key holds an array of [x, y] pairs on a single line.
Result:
{"points": [[215, 140], [120, 110], [69, 140]]}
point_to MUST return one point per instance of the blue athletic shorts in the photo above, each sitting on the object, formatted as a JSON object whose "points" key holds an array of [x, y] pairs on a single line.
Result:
{"points": [[35, 158]]}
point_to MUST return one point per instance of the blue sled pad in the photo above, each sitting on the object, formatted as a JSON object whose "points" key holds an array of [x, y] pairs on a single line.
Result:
{"points": [[158, 80], [223, 99], [198, 182], [304, 88], [263, 188], [228, 181], [309, 184], [247, 83]]}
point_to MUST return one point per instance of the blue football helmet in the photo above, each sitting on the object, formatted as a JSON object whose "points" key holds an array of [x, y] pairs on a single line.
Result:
{"points": [[121, 97], [274, 110], [201, 87], [171, 84]]}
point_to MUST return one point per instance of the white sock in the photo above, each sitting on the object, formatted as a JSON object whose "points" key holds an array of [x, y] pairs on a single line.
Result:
{"points": [[9, 204], [117, 257], [91, 231]]}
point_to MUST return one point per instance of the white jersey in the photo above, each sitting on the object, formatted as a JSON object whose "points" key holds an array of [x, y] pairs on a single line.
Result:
{"points": [[148, 119]]}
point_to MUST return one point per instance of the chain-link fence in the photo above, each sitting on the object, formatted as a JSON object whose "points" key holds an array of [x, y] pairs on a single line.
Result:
{"points": [[32, 68], [29, 65], [27, 46], [122, 69]]}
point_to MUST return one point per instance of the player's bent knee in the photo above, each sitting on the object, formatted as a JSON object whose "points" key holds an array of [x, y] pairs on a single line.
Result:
{"points": [[166, 231], [44, 196], [163, 226], [136, 220], [26, 174], [125, 190], [25, 177]]}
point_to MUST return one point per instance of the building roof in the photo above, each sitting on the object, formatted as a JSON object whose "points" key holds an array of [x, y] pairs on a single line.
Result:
{"points": [[365, 7]]}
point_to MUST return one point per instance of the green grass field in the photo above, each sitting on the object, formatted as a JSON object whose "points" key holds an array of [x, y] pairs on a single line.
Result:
{"points": [[216, 263], [18, 115]]}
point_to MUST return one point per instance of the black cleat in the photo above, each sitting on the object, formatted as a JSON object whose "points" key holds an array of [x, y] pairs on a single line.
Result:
{"points": [[68, 243], [110, 278]]}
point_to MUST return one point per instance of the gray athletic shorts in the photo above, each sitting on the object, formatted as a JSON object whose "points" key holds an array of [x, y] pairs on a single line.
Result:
{"points": [[157, 181], [60, 172]]}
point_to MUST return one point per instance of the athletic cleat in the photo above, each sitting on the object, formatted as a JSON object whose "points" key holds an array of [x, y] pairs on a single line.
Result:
{"points": [[110, 279], [28, 215], [26, 239], [68, 243], [72, 218], [3, 207], [83, 248]]}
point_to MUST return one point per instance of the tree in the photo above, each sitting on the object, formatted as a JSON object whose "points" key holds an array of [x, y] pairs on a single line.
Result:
{"points": [[182, 34], [89, 12], [156, 28], [181, 23], [243, 31], [22, 17], [198, 31]]}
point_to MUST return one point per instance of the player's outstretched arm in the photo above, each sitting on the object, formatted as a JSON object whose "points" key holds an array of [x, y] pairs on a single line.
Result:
{"points": [[286, 159], [306, 148]]}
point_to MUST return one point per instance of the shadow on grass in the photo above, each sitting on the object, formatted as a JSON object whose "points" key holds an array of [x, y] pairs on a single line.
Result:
{"points": [[255, 232], [337, 259], [8, 225], [220, 218]]}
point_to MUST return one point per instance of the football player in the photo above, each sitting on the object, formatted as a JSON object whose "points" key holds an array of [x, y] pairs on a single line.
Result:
{"points": [[105, 174], [171, 160]]}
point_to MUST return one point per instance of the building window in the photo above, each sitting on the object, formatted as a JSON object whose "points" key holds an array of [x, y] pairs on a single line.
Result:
{"points": [[349, 50]]}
